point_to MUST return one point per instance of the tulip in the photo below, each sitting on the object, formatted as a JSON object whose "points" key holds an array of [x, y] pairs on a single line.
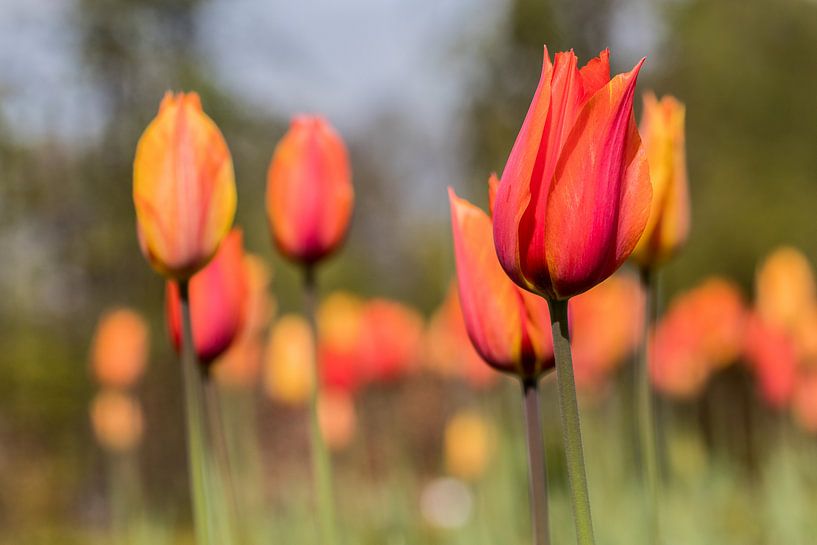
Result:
{"points": [[341, 352], [508, 326], [392, 337], [309, 191], [117, 420], [772, 355], [575, 194], [288, 374], [120, 348], [217, 296], [785, 289], [183, 188], [662, 129]]}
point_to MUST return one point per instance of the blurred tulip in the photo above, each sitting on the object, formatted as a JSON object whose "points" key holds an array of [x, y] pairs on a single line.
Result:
{"points": [[217, 301], [392, 335], [786, 298], [288, 375], [240, 365], [469, 444], [662, 128], [117, 420], [309, 191], [449, 351], [606, 326], [337, 417], [183, 188], [804, 404], [702, 331], [510, 328], [773, 357], [120, 348], [340, 352], [575, 193]]}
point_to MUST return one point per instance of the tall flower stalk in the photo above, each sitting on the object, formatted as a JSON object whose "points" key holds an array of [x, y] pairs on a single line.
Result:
{"points": [[537, 465]]}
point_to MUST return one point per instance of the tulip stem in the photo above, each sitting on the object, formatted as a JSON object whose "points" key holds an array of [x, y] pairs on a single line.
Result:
{"points": [[646, 414], [537, 468], [571, 426], [210, 526], [321, 463]]}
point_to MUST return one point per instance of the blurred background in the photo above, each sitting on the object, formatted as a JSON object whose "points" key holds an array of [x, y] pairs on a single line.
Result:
{"points": [[426, 95]]}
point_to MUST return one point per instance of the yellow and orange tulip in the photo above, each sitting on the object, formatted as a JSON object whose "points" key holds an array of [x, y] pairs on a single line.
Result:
{"points": [[575, 193], [510, 328], [217, 297], [288, 361], [309, 191], [662, 129], [183, 188]]}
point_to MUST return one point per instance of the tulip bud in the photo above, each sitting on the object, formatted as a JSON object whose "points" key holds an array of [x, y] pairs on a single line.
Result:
{"points": [[217, 296], [785, 288], [288, 375], [117, 420], [662, 129], [575, 194], [509, 328], [183, 188], [120, 348], [309, 191]]}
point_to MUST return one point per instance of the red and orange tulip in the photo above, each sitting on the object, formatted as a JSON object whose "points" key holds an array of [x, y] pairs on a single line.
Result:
{"points": [[510, 328], [183, 188], [120, 348], [662, 128], [392, 339], [575, 193], [309, 191], [217, 297], [702, 331], [772, 354]]}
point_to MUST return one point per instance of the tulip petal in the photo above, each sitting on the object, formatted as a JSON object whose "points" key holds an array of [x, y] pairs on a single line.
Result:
{"points": [[600, 197], [514, 193], [596, 74]]}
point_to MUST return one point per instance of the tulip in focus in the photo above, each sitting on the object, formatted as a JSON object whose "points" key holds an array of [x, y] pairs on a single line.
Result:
{"points": [[606, 327], [510, 328], [240, 365], [217, 298], [117, 421], [469, 444], [575, 194], [662, 130], [183, 188], [120, 348], [288, 376], [309, 191]]}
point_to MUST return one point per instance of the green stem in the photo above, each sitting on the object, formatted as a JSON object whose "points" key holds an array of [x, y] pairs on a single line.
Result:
{"points": [[571, 427], [646, 414], [208, 518], [321, 463], [537, 468]]}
